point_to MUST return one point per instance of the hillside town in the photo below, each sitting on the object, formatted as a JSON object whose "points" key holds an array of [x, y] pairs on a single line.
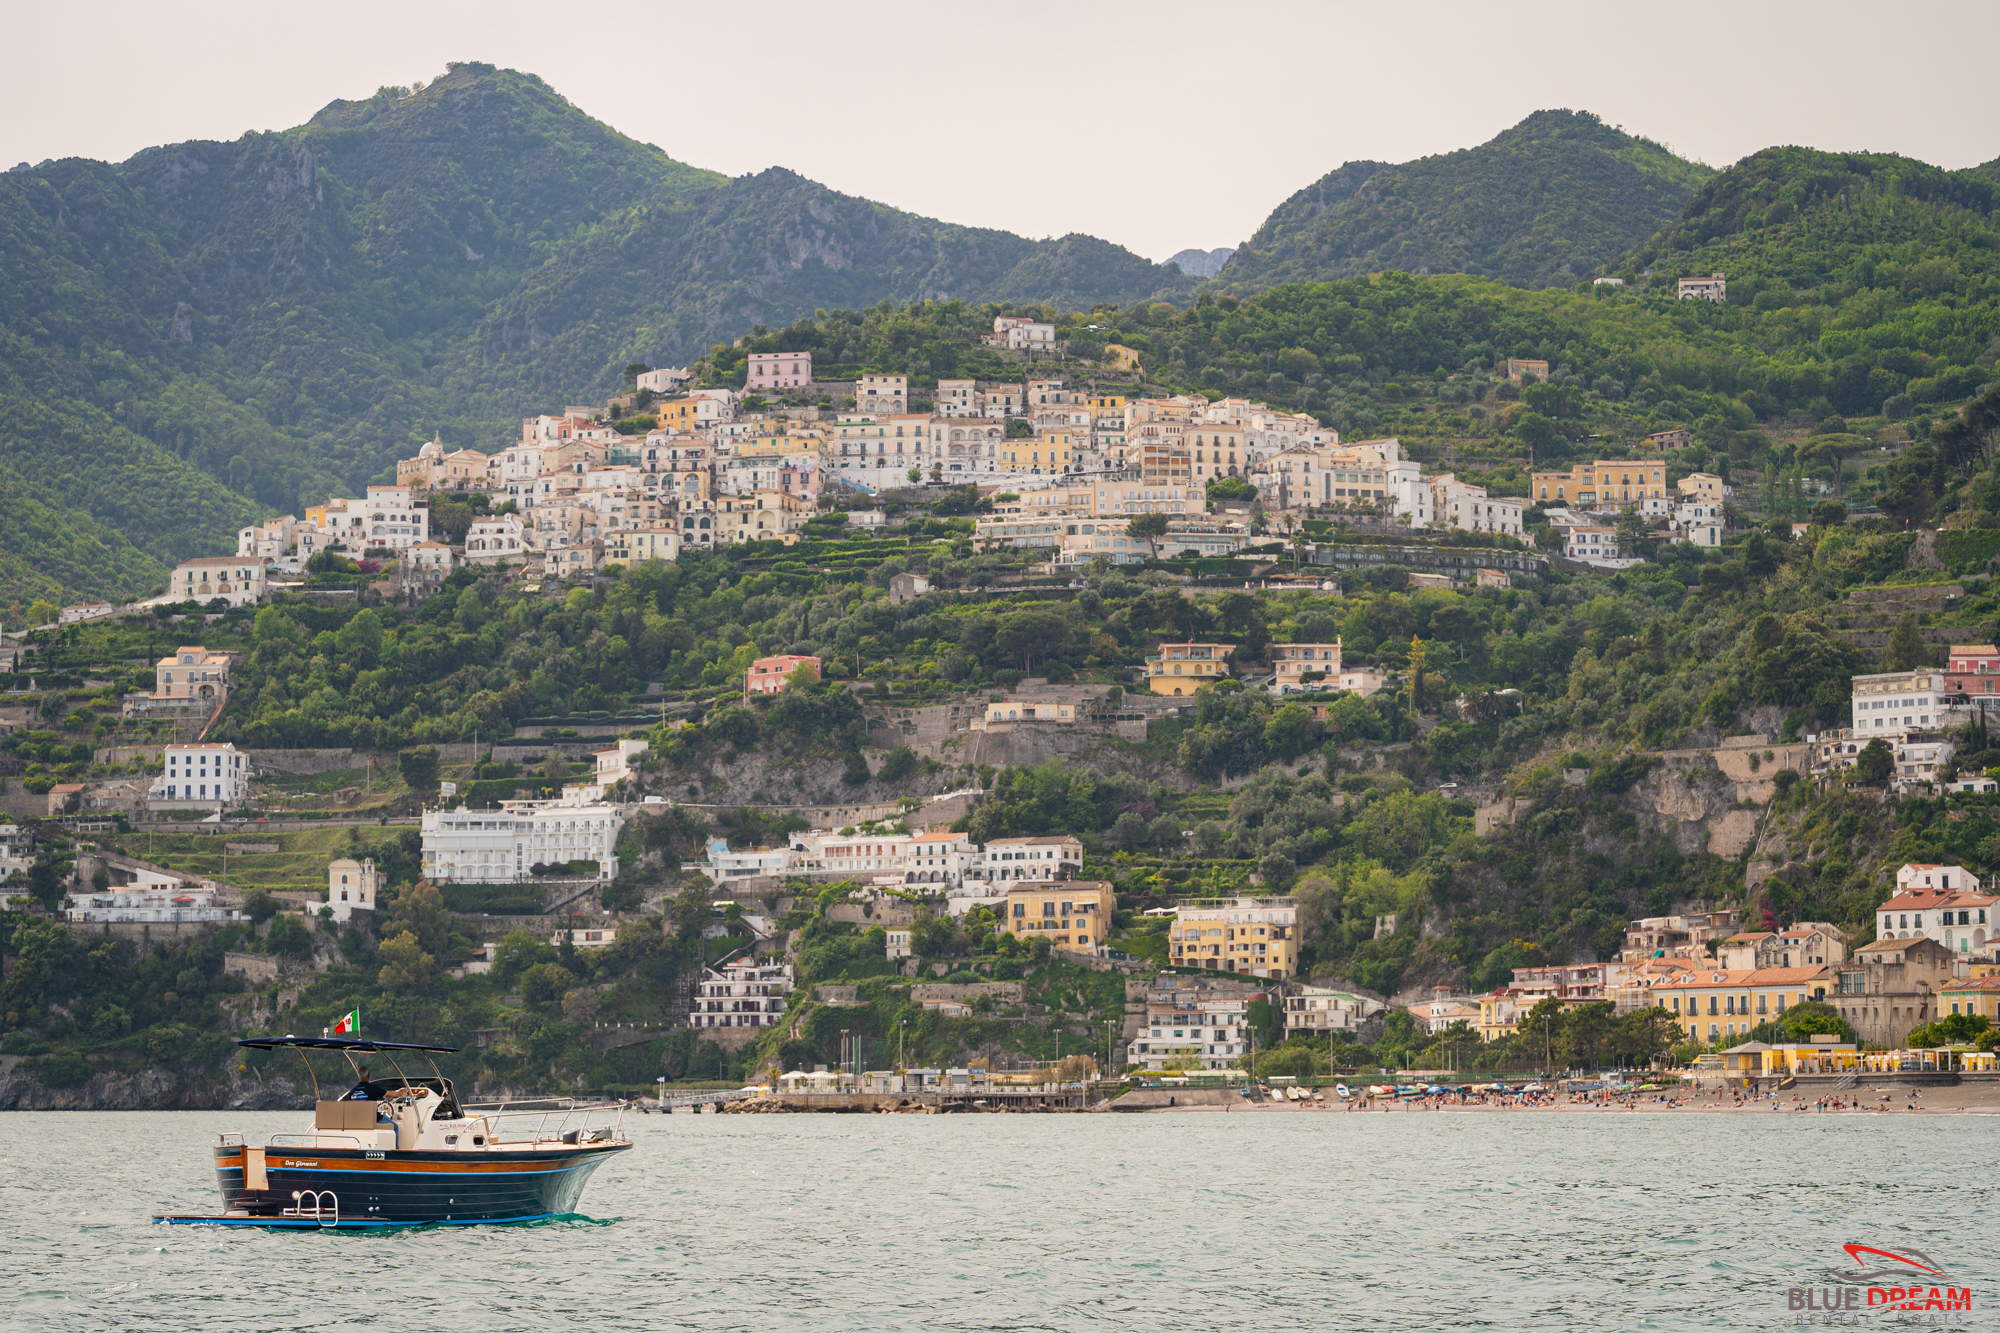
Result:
{"points": [[1057, 465]]}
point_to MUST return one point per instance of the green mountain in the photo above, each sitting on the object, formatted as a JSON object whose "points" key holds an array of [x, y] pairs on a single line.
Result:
{"points": [[1554, 196], [224, 329]]}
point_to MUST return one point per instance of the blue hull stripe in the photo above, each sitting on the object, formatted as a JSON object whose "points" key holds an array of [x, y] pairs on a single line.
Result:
{"points": [[308, 1224]]}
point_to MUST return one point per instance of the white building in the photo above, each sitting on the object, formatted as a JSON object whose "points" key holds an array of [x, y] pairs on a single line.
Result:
{"points": [[615, 765], [153, 898], [235, 579], [957, 398], [491, 540], [1024, 335], [1941, 903], [1055, 856], [269, 540], [1207, 1033], [1318, 1009], [393, 519], [352, 886], [741, 994], [1710, 288], [502, 846], [1891, 704], [197, 775], [664, 380], [1460, 504], [723, 864]]}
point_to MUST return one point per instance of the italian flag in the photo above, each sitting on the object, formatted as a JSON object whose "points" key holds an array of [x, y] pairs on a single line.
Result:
{"points": [[349, 1022]]}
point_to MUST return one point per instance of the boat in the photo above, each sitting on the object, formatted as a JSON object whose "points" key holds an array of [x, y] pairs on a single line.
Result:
{"points": [[404, 1151]]}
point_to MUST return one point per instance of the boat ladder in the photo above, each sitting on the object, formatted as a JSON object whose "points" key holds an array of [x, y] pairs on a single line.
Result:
{"points": [[325, 1207]]}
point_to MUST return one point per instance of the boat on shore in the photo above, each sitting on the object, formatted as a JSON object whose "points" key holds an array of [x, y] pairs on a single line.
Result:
{"points": [[404, 1151]]}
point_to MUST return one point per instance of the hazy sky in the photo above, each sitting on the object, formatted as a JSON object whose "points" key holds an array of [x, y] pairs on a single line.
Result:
{"points": [[1157, 125]]}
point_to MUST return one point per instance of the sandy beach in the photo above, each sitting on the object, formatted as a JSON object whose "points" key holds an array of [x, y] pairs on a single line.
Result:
{"points": [[1882, 1097]]}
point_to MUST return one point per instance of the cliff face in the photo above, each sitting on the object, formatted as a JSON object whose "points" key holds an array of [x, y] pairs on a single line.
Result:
{"points": [[144, 1088]]}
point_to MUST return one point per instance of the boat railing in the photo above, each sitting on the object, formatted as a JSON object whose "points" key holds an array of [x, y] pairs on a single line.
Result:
{"points": [[309, 1140], [563, 1121]]}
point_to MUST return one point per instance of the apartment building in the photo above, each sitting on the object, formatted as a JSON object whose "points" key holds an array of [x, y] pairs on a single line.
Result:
{"points": [[1942, 903], [233, 579], [956, 398], [882, 395], [201, 774], [1300, 667], [1050, 856], [1714, 1003], [1254, 936], [1069, 914], [742, 993], [1193, 1030], [491, 540], [1892, 986], [779, 370], [1321, 1010], [502, 846], [1970, 670], [1603, 484], [1182, 668]]}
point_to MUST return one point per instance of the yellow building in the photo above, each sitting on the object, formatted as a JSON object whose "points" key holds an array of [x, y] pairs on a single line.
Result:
{"points": [[1121, 357], [678, 414], [1709, 1004], [1499, 1015], [1255, 936], [1183, 668], [1976, 995], [1069, 914], [1604, 484]]}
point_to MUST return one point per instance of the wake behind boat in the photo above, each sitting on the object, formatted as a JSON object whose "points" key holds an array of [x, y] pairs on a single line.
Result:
{"points": [[403, 1151]]}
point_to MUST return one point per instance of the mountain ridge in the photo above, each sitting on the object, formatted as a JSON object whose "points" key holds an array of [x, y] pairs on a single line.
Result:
{"points": [[1554, 195]]}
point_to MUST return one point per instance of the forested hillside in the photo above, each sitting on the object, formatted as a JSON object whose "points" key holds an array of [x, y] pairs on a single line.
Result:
{"points": [[224, 329], [1553, 197]]}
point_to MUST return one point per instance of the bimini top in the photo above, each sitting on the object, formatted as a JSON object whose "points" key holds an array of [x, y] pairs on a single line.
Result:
{"points": [[340, 1044]]}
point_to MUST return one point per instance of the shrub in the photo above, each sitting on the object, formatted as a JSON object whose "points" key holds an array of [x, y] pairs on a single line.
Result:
{"points": [[64, 1071]]}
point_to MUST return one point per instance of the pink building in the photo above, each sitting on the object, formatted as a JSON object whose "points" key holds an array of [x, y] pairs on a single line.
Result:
{"points": [[767, 675], [780, 370]]}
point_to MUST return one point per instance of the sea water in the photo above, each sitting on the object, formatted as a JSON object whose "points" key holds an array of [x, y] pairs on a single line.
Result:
{"points": [[1545, 1220]]}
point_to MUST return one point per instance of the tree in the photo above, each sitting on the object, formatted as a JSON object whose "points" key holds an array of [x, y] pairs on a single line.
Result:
{"points": [[1151, 527], [898, 765], [1035, 633], [1906, 649], [406, 968], [419, 767], [1875, 763], [288, 936], [634, 369], [915, 474], [544, 983], [420, 910]]}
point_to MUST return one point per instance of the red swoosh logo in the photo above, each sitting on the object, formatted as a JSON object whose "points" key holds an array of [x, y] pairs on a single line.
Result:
{"points": [[1906, 1263]]}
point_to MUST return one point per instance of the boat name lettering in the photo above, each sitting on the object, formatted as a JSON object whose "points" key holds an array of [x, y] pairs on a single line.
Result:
{"points": [[290, 1162]]}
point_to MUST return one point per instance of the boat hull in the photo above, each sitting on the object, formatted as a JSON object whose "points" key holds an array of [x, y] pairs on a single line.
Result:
{"points": [[397, 1188]]}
